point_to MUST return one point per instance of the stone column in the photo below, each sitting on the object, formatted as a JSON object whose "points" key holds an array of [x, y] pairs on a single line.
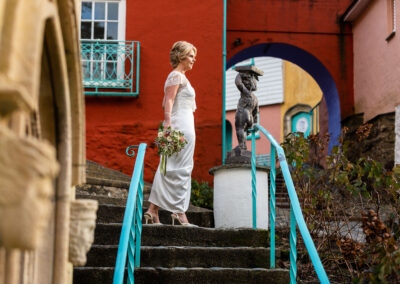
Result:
{"points": [[397, 139], [83, 222], [233, 203]]}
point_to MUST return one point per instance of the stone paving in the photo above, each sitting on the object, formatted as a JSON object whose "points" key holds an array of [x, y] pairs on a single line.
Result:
{"points": [[352, 229]]}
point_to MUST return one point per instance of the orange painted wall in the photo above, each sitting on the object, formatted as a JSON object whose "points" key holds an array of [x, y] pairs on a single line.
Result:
{"points": [[115, 123], [308, 24]]}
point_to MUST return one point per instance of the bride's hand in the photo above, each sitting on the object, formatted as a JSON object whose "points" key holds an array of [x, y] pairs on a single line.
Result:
{"points": [[166, 124]]}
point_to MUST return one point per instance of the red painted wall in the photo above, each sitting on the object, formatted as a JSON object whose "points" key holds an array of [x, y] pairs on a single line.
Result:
{"points": [[115, 123], [307, 24]]}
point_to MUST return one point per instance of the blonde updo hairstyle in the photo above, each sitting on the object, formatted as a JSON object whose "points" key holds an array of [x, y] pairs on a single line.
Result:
{"points": [[179, 51]]}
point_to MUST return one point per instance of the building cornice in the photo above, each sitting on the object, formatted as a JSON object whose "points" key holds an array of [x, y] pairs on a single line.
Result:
{"points": [[355, 9]]}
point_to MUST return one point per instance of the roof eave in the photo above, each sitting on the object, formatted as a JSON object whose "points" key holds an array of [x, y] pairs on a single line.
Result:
{"points": [[355, 9]]}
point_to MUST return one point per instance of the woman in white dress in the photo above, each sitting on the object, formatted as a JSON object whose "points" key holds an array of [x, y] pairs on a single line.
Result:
{"points": [[172, 191]]}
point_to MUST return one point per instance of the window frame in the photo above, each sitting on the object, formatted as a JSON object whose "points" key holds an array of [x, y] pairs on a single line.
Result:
{"points": [[103, 62], [121, 20]]}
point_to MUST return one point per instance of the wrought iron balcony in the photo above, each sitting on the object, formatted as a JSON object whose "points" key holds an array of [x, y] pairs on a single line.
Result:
{"points": [[111, 68]]}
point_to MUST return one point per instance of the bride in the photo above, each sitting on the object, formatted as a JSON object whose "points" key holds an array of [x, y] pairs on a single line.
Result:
{"points": [[172, 191]]}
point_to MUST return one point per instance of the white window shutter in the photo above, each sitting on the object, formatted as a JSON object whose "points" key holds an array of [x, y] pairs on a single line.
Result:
{"points": [[269, 87]]}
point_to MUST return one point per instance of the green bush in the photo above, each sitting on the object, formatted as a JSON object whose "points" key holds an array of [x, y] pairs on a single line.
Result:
{"points": [[202, 194], [334, 196]]}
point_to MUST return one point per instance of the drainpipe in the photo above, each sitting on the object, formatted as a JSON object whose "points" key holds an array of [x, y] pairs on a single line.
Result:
{"points": [[223, 88]]}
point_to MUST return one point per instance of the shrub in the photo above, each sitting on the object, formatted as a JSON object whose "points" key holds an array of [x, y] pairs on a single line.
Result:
{"points": [[202, 194], [336, 197]]}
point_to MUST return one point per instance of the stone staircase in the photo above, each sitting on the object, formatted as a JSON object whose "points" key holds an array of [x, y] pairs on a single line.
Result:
{"points": [[281, 195], [172, 254]]}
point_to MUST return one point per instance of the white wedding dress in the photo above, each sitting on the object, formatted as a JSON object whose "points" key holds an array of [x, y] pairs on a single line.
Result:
{"points": [[172, 191]]}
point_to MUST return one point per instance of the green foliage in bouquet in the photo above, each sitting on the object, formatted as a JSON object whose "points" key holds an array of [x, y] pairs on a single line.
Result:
{"points": [[202, 194], [169, 142]]}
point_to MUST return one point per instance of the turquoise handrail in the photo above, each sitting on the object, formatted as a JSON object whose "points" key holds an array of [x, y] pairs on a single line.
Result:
{"points": [[111, 68], [224, 84], [131, 232], [296, 214]]}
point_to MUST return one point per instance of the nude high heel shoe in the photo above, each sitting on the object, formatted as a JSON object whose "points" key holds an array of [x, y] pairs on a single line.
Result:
{"points": [[176, 216], [149, 217]]}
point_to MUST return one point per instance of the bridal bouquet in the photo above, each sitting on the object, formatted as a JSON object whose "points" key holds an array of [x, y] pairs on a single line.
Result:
{"points": [[169, 141]]}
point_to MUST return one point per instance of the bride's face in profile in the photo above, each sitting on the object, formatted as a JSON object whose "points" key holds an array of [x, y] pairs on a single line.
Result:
{"points": [[189, 60]]}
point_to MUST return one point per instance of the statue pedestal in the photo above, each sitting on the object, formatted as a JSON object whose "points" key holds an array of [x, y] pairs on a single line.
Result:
{"points": [[233, 205], [238, 156]]}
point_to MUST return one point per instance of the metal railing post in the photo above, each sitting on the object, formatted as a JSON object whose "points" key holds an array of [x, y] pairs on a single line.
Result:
{"points": [[272, 203], [293, 251], [138, 227], [137, 67], [223, 84], [253, 177], [129, 243], [296, 213]]}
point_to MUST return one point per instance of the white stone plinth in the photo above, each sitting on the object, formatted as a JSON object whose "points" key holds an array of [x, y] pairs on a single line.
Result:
{"points": [[233, 205]]}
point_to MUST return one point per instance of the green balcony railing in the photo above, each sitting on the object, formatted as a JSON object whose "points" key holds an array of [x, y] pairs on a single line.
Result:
{"points": [[111, 68]]}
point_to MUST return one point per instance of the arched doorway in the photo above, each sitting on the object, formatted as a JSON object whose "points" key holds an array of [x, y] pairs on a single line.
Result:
{"points": [[311, 65]]}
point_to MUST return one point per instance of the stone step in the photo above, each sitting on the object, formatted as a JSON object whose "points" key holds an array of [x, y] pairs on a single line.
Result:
{"points": [[94, 191], [284, 205], [95, 170], [150, 275], [108, 188], [115, 214], [167, 235], [177, 256], [109, 200], [103, 199]]}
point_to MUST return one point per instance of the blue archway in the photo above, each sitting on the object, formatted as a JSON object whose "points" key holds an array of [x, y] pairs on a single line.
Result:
{"points": [[311, 65]]}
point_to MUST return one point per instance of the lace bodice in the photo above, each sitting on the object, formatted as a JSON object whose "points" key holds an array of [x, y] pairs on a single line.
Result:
{"points": [[185, 97]]}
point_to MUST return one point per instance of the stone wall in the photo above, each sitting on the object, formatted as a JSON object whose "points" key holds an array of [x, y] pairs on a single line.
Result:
{"points": [[42, 134], [378, 145], [397, 130]]}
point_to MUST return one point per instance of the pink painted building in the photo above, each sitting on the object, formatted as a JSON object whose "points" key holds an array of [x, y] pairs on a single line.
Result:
{"points": [[376, 52], [376, 48]]}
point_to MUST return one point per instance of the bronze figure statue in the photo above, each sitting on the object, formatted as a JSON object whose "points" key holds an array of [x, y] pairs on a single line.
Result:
{"points": [[246, 112]]}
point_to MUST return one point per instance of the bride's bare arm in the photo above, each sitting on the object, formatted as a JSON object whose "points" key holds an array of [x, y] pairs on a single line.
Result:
{"points": [[170, 94]]}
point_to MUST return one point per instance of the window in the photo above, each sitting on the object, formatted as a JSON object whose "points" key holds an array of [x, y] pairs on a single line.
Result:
{"points": [[103, 20], [391, 18], [102, 28]]}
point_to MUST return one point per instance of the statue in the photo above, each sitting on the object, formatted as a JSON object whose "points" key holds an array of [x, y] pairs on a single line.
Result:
{"points": [[28, 168], [246, 113], [82, 225]]}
